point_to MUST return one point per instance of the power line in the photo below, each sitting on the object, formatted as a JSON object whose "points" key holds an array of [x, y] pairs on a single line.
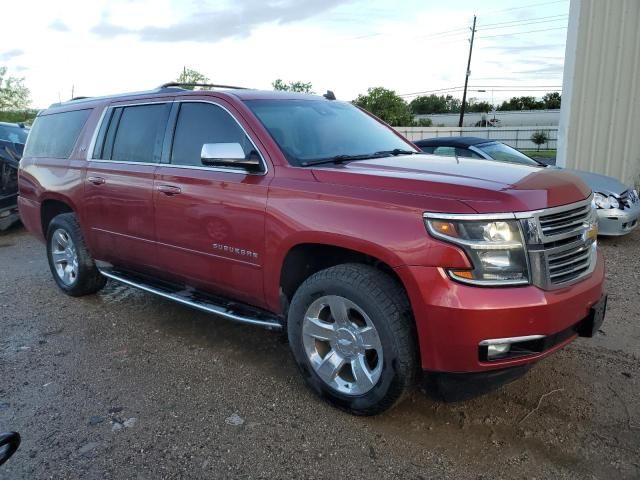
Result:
{"points": [[524, 24], [521, 33], [524, 6], [459, 31], [524, 20]]}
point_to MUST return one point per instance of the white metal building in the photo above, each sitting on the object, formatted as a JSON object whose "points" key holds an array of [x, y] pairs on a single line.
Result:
{"points": [[599, 126]]}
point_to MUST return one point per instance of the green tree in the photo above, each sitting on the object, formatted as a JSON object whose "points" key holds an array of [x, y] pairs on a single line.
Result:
{"points": [[189, 75], [302, 87], [552, 100], [14, 95], [480, 107], [539, 137], [387, 105], [428, 104], [522, 103]]}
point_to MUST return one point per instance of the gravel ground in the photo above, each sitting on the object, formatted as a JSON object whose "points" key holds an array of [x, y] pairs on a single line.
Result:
{"points": [[126, 385]]}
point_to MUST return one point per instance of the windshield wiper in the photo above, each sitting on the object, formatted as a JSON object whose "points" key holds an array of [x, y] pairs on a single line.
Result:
{"points": [[396, 152], [347, 158], [339, 159]]}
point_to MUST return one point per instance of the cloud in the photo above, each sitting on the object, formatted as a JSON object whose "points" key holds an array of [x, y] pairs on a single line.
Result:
{"points": [[58, 26], [9, 54], [214, 25]]}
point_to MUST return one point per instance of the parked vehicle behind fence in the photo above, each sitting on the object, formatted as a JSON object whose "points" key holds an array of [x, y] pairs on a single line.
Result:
{"points": [[307, 215]]}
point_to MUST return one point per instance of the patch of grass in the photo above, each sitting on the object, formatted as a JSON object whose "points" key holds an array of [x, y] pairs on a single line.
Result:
{"points": [[540, 154]]}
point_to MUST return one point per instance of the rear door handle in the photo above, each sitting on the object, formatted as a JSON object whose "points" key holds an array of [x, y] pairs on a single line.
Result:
{"points": [[95, 180], [169, 189]]}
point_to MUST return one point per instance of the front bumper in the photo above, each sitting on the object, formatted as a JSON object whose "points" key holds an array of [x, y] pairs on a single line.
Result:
{"points": [[614, 221], [453, 319], [8, 216]]}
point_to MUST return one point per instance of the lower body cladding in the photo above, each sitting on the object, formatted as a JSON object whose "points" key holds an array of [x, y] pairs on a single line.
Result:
{"points": [[614, 222], [465, 329]]}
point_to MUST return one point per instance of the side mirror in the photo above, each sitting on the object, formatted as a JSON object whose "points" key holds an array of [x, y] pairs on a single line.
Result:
{"points": [[229, 155], [9, 443]]}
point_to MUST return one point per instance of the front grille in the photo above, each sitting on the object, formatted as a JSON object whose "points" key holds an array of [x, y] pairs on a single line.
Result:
{"points": [[561, 251]]}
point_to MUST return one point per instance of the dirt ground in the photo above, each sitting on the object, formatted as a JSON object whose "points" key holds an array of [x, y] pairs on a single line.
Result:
{"points": [[127, 385]]}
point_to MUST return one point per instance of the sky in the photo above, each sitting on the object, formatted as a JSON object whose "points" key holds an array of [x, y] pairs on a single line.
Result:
{"points": [[101, 47]]}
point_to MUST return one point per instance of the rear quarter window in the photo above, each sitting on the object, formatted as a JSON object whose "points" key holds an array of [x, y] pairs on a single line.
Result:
{"points": [[54, 135]]}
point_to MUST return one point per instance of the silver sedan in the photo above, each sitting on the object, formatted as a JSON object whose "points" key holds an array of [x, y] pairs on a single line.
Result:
{"points": [[618, 205]]}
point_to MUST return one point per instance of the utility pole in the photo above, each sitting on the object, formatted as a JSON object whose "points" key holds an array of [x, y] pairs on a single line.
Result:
{"points": [[466, 78]]}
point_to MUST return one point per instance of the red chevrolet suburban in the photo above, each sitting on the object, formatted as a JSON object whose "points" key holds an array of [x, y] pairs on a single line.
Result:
{"points": [[308, 215]]}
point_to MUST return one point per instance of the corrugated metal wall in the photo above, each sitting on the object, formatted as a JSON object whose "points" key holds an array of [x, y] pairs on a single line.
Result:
{"points": [[600, 118]]}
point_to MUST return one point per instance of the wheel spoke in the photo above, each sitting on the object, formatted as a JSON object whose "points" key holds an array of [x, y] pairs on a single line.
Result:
{"points": [[59, 257], [330, 366], [62, 239], [361, 373], [318, 329], [66, 276], [370, 339], [338, 310]]}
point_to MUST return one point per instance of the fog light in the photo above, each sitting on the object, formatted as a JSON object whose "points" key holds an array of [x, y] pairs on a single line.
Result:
{"points": [[498, 350]]}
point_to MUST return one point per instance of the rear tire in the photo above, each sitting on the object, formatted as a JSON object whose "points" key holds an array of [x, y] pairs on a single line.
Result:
{"points": [[72, 267], [352, 336]]}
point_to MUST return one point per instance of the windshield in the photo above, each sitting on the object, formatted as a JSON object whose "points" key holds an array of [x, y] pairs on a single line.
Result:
{"points": [[309, 130], [9, 133], [505, 153]]}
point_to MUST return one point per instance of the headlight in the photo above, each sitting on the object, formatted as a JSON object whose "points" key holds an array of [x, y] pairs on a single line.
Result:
{"points": [[605, 201], [495, 248]]}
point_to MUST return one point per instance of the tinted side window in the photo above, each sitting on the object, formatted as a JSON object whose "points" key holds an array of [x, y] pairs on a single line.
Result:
{"points": [[138, 133], [463, 152], [200, 123], [445, 151], [56, 134], [427, 149]]}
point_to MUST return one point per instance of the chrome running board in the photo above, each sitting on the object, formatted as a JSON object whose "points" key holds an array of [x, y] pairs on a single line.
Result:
{"points": [[192, 298]]}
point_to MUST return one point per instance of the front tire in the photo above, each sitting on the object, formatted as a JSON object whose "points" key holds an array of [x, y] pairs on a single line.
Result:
{"points": [[72, 267], [352, 335]]}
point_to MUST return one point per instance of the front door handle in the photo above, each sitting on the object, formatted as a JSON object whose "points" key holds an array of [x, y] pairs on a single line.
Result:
{"points": [[95, 180], [169, 189]]}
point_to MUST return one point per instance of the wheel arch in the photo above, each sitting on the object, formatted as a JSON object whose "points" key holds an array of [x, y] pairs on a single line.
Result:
{"points": [[305, 258], [52, 206]]}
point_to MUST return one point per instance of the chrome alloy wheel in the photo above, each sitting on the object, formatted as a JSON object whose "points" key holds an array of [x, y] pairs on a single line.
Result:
{"points": [[64, 256], [342, 345]]}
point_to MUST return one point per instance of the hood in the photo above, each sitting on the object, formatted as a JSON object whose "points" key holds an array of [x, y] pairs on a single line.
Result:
{"points": [[600, 183], [484, 185]]}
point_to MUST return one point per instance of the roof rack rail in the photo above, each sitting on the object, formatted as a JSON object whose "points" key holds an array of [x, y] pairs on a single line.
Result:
{"points": [[211, 85]]}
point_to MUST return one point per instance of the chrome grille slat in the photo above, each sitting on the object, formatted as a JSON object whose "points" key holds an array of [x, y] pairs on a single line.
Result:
{"points": [[559, 216], [582, 257], [562, 228], [561, 221], [573, 270]]}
